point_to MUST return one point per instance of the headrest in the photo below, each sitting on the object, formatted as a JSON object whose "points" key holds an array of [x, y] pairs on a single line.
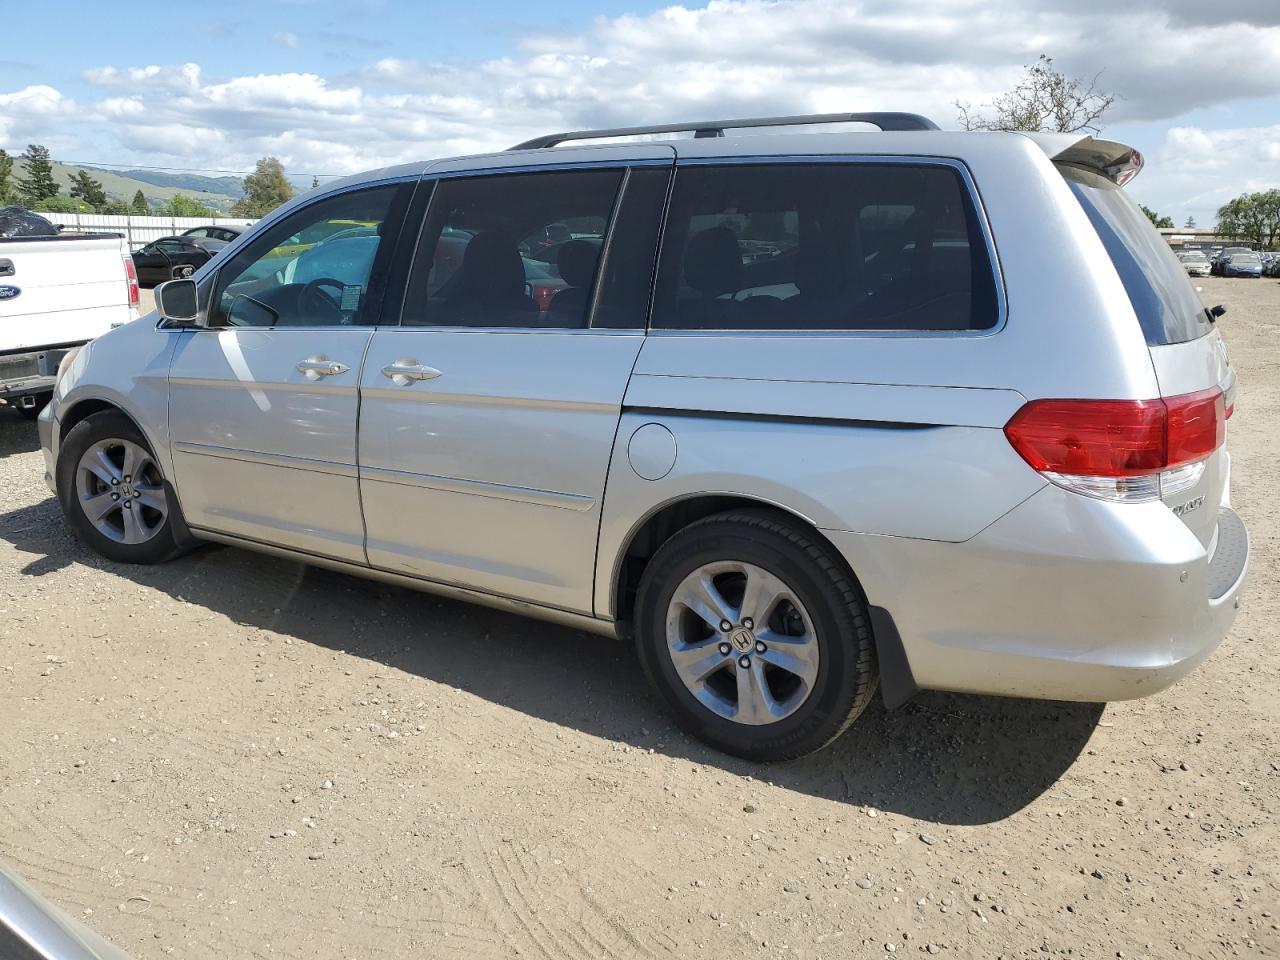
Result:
{"points": [[713, 262], [491, 266], [576, 260]]}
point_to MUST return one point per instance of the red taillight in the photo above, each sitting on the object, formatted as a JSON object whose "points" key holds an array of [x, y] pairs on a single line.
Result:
{"points": [[1118, 438], [1197, 425], [131, 277]]}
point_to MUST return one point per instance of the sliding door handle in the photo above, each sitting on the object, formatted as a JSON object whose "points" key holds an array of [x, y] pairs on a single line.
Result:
{"points": [[406, 370]]}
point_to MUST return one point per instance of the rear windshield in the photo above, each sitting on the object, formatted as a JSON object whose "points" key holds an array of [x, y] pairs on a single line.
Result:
{"points": [[1161, 293]]}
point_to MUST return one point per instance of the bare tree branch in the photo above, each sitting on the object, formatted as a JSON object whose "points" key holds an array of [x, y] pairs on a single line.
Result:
{"points": [[1043, 100]]}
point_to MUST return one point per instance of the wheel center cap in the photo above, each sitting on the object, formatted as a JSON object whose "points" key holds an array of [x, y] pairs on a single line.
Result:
{"points": [[742, 639]]}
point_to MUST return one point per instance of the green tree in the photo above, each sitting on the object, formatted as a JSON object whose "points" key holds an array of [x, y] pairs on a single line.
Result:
{"points": [[88, 189], [1252, 217], [38, 184], [183, 206], [1155, 218], [1191, 223], [264, 189], [116, 208], [315, 181], [1044, 100], [139, 207], [6, 183], [61, 204]]}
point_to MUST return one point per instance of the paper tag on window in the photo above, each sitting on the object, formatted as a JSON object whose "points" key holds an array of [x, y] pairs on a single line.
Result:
{"points": [[350, 297]]}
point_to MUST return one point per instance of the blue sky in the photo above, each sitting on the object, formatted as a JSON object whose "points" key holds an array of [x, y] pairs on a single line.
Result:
{"points": [[329, 37], [336, 86]]}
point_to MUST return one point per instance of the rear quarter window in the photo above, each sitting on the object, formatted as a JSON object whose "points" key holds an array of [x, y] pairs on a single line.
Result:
{"points": [[1166, 303]]}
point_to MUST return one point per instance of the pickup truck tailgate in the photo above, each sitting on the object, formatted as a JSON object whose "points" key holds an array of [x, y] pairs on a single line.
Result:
{"points": [[63, 289]]}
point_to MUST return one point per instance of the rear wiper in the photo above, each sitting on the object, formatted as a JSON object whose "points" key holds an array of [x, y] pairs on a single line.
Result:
{"points": [[1215, 312]]}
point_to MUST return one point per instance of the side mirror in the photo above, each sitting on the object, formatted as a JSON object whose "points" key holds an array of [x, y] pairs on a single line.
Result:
{"points": [[177, 300]]}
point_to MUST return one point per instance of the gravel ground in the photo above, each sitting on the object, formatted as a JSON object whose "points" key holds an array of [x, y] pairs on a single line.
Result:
{"points": [[235, 756]]}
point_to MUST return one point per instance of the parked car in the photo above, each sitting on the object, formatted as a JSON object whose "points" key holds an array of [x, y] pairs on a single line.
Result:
{"points": [[32, 928], [875, 455], [1195, 263], [1242, 265], [58, 290], [1273, 269], [216, 235], [1219, 262], [170, 258]]}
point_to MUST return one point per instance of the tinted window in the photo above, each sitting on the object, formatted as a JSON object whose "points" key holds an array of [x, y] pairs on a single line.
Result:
{"points": [[1157, 284], [824, 247], [313, 268], [197, 232], [518, 250]]}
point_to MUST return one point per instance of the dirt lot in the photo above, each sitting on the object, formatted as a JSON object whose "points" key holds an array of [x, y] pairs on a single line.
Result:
{"points": [[234, 756]]}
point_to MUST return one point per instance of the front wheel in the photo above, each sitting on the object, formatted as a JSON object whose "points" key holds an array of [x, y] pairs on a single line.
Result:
{"points": [[755, 635], [112, 491]]}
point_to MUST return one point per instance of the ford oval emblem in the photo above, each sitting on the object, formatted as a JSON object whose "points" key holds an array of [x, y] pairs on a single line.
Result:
{"points": [[8, 293]]}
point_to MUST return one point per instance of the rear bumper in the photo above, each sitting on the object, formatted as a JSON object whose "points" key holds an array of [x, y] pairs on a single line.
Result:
{"points": [[26, 374], [1063, 598]]}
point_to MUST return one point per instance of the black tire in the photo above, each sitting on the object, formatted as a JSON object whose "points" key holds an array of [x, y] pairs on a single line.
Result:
{"points": [[110, 424], [847, 674]]}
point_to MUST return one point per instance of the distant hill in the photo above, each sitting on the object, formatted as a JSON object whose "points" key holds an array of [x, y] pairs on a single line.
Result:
{"points": [[187, 182], [219, 193]]}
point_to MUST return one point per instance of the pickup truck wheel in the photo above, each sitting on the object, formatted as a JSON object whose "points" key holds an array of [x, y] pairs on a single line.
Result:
{"points": [[755, 635], [112, 491]]}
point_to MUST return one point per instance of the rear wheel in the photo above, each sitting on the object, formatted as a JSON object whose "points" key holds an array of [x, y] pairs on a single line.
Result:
{"points": [[112, 491], [755, 635]]}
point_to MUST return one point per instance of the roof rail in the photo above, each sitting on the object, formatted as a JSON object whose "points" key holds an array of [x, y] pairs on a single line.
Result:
{"points": [[716, 128]]}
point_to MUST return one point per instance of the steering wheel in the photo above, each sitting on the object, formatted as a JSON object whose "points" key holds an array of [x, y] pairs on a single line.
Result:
{"points": [[312, 300]]}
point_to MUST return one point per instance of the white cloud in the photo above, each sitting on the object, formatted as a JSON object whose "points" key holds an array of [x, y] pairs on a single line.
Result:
{"points": [[1163, 58], [1195, 171], [35, 114], [285, 39]]}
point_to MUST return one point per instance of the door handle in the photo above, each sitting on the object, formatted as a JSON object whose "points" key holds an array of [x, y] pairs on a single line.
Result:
{"points": [[406, 370], [317, 366], [6, 268]]}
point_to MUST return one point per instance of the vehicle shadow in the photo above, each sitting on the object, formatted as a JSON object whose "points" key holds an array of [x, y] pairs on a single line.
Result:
{"points": [[942, 758], [17, 434]]}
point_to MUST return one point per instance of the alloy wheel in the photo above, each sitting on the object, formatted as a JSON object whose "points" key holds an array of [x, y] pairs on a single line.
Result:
{"points": [[119, 490], [742, 642]]}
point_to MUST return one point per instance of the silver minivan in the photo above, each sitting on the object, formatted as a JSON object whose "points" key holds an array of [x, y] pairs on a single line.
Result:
{"points": [[804, 414]]}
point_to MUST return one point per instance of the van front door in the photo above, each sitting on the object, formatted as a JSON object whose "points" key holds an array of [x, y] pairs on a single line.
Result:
{"points": [[263, 403]]}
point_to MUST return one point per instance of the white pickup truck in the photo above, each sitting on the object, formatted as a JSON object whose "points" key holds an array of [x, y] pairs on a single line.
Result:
{"points": [[57, 291]]}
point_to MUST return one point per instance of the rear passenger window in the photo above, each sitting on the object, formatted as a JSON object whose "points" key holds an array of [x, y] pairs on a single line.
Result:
{"points": [[824, 247], [518, 250]]}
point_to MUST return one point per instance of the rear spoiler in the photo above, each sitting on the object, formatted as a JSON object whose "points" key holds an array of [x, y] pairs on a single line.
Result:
{"points": [[1118, 162]]}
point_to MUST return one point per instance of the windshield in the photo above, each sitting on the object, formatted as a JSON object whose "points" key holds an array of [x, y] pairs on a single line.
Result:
{"points": [[1159, 289], [1246, 258]]}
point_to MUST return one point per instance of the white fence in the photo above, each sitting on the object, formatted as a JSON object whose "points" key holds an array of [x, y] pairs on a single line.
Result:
{"points": [[139, 231]]}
